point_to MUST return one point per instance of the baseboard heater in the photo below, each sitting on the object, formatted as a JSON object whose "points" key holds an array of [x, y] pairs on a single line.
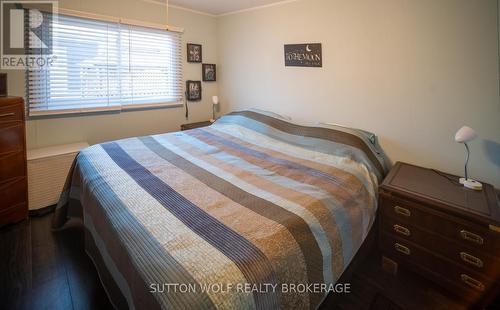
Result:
{"points": [[47, 171]]}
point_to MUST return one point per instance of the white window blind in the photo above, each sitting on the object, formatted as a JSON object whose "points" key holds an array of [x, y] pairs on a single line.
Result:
{"points": [[103, 65]]}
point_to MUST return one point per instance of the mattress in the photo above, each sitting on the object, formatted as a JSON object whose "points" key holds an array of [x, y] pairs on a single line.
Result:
{"points": [[252, 212]]}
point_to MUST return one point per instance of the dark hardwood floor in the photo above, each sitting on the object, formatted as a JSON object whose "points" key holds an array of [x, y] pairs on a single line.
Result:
{"points": [[373, 288], [40, 269]]}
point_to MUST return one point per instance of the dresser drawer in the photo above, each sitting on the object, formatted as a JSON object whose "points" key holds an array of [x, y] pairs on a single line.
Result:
{"points": [[468, 257], [11, 113], [12, 165], [406, 252], [13, 214], [11, 137], [464, 233], [13, 193]]}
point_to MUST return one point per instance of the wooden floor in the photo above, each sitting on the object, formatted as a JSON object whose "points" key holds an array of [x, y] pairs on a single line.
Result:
{"points": [[40, 269], [44, 270], [372, 288]]}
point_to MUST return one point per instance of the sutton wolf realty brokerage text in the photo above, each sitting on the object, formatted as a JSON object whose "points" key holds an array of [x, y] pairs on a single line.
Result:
{"points": [[287, 288]]}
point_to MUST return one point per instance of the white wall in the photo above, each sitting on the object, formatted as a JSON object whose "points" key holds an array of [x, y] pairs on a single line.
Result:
{"points": [[95, 128], [411, 71]]}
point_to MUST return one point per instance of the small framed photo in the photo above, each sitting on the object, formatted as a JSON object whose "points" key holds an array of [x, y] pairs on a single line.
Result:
{"points": [[193, 90], [194, 52], [209, 72]]}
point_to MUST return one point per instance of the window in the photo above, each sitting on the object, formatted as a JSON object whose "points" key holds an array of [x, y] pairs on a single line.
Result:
{"points": [[103, 65]]}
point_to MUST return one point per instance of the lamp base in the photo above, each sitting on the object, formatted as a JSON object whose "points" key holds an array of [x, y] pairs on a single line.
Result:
{"points": [[472, 184]]}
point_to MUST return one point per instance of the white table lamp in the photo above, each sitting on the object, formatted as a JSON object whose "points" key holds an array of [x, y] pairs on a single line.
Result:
{"points": [[215, 102], [464, 135]]}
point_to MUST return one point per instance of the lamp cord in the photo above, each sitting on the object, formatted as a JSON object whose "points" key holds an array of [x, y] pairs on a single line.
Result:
{"points": [[466, 161], [451, 179]]}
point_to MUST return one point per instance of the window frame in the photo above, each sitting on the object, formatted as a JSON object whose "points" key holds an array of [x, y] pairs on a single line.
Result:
{"points": [[33, 113]]}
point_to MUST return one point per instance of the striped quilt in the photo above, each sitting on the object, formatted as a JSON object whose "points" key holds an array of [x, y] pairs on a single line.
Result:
{"points": [[230, 216]]}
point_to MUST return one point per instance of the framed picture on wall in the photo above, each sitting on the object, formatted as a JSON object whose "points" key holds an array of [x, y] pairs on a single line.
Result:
{"points": [[193, 90], [209, 72], [303, 55], [194, 52]]}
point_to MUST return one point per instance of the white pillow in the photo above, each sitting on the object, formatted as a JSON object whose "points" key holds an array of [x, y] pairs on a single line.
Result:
{"points": [[369, 138], [271, 114]]}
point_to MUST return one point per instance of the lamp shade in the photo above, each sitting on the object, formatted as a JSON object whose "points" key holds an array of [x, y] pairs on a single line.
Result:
{"points": [[465, 134], [215, 100]]}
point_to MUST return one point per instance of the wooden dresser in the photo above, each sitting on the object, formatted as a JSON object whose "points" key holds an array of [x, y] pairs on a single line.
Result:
{"points": [[13, 180], [432, 224]]}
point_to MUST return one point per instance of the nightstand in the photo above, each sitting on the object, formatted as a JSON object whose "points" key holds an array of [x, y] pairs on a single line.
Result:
{"points": [[449, 234], [195, 125]]}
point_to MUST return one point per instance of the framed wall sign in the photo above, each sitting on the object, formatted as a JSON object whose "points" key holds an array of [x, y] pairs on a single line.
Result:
{"points": [[194, 52], [209, 72], [193, 90], [303, 55]]}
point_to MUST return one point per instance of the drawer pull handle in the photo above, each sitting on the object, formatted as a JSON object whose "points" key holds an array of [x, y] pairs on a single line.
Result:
{"points": [[472, 282], [466, 257], [401, 230], [402, 211], [467, 235], [402, 249], [7, 114]]}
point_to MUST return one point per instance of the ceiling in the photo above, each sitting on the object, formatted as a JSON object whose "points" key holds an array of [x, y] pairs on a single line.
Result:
{"points": [[220, 7]]}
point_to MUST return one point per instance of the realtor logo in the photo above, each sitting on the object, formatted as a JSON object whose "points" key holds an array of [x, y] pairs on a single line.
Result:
{"points": [[26, 33]]}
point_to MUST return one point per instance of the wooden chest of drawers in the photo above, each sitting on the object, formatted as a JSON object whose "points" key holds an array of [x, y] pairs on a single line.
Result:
{"points": [[13, 180], [433, 225]]}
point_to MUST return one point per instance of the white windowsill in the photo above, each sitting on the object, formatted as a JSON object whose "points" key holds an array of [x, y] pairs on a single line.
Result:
{"points": [[124, 108], [151, 106]]}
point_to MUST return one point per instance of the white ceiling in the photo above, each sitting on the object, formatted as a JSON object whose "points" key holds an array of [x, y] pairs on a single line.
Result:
{"points": [[218, 7]]}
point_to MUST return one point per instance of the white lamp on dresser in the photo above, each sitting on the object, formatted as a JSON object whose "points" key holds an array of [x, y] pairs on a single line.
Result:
{"points": [[464, 135], [215, 103]]}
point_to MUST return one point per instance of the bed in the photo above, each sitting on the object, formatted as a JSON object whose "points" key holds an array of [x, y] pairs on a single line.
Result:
{"points": [[252, 212]]}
